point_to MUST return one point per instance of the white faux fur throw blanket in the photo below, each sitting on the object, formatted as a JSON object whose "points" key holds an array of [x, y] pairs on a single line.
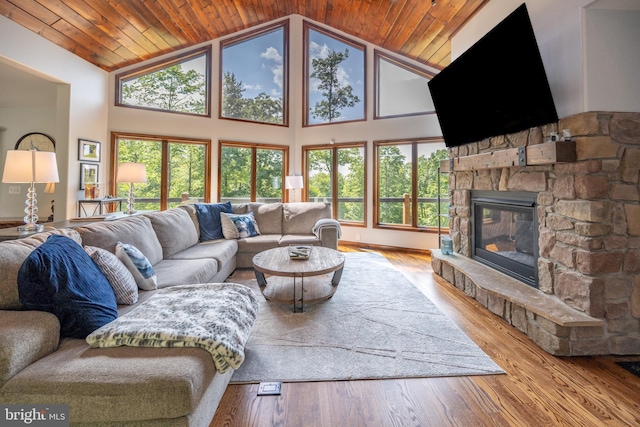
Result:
{"points": [[217, 317]]}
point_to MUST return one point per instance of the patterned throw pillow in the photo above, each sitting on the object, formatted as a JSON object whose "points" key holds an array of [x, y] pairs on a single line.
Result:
{"points": [[138, 265], [239, 226], [120, 278]]}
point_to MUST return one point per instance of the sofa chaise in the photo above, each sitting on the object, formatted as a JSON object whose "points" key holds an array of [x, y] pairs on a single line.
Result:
{"points": [[136, 385]]}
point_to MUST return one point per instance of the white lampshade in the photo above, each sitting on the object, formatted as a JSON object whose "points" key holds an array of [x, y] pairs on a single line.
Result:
{"points": [[293, 182], [30, 166], [132, 172]]}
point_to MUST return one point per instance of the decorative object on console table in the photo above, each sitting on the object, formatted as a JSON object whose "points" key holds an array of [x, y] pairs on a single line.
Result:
{"points": [[131, 173], [30, 167], [88, 151], [294, 182]]}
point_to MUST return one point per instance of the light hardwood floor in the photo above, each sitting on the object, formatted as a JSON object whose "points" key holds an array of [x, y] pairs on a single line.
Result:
{"points": [[537, 390]]}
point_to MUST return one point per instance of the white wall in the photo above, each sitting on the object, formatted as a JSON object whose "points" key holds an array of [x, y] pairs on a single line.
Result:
{"points": [[124, 119], [81, 103], [14, 123], [612, 53], [579, 82]]}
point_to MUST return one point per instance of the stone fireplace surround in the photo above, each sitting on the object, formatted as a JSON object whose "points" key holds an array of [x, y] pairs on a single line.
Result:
{"points": [[588, 301]]}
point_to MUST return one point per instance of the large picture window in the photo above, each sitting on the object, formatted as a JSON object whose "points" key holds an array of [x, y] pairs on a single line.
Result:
{"points": [[178, 169], [406, 179], [401, 89], [334, 77], [254, 76], [178, 85], [337, 174], [251, 172]]}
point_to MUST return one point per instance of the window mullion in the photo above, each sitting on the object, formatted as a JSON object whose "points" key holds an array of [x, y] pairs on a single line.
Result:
{"points": [[414, 184], [254, 162], [164, 176]]}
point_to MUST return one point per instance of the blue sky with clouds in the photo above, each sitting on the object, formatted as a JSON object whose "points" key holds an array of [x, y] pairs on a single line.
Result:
{"points": [[257, 63], [351, 73]]}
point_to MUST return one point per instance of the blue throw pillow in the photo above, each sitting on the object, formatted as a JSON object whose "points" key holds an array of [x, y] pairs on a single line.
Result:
{"points": [[60, 277], [209, 219]]}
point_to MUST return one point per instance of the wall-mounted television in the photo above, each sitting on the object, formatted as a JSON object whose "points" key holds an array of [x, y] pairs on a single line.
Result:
{"points": [[498, 86]]}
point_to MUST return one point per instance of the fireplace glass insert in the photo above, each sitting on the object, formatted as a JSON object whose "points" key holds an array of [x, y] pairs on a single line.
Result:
{"points": [[505, 233]]}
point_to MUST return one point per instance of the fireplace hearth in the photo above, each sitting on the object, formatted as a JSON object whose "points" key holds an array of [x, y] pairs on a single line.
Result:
{"points": [[505, 233]]}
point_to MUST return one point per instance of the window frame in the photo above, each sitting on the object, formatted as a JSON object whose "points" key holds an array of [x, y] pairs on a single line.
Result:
{"points": [[305, 75], [414, 142], [379, 55], [164, 180], [165, 63], [285, 69], [254, 146], [334, 181]]}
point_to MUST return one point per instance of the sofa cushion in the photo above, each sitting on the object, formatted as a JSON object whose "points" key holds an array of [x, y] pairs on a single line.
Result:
{"points": [[174, 229], [259, 243], [299, 218], [12, 255], [299, 239], [185, 271], [268, 216], [221, 250], [135, 230], [138, 265], [121, 280], [25, 336], [59, 277], [191, 210], [209, 219], [114, 385], [237, 226]]}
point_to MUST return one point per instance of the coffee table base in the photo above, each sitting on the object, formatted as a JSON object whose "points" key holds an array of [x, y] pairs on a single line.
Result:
{"points": [[299, 290]]}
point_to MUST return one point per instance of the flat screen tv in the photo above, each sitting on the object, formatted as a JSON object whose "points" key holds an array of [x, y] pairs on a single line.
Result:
{"points": [[498, 86]]}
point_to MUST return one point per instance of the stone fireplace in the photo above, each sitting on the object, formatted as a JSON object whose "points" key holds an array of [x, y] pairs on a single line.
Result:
{"points": [[587, 299]]}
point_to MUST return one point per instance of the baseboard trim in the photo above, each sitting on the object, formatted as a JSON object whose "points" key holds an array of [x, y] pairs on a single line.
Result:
{"points": [[370, 246]]}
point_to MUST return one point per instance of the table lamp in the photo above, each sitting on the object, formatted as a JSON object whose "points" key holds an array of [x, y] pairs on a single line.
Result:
{"points": [[31, 167], [131, 173], [293, 182]]}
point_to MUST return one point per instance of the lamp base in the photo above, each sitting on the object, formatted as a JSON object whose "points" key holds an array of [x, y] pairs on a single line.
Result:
{"points": [[31, 228]]}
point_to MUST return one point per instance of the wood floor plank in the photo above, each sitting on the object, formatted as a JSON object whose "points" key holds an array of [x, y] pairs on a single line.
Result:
{"points": [[537, 390]]}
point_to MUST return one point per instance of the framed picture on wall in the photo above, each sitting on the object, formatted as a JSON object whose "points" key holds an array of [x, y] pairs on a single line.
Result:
{"points": [[88, 174], [88, 151]]}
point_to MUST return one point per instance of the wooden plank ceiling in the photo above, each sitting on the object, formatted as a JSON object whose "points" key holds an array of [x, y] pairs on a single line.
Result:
{"points": [[115, 33]]}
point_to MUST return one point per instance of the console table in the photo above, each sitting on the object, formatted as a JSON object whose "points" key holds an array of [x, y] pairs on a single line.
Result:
{"points": [[97, 206]]}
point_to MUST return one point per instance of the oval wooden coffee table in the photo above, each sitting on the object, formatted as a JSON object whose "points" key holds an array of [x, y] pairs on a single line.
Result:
{"points": [[303, 281]]}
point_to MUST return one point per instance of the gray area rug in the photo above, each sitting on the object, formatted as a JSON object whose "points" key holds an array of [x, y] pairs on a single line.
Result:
{"points": [[377, 325]]}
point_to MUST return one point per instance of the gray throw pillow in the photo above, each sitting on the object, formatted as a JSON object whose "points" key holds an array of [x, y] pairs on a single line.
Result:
{"points": [[120, 278]]}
